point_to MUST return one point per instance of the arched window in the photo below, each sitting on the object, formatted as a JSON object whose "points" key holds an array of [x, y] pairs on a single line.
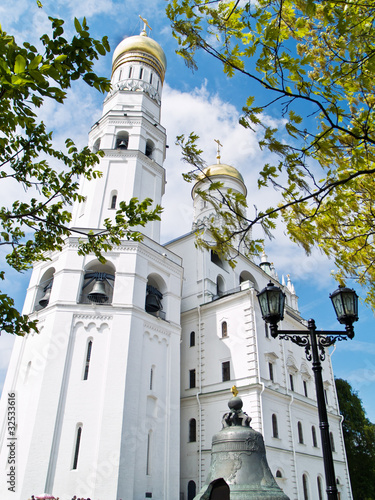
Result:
{"points": [[155, 289], [320, 488], [96, 146], [151, 378], [305, 487], [300, 432], [87, 362], [77, 445], [122, 140], [314, 440], [192, 339], [113, 201], [44, 290], [224, 329], [98, 284], [278, 473], [275, 430], [332, 441], [192, 490], [220, 286], [192, 430], [150, 146]]}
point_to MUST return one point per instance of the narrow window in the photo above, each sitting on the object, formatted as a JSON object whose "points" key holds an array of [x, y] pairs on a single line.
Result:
{"points": [[278, 473], [192, 430], [225, 369], [148, 471], [141, 73], [266, 331], [151, 378], [326, 396], [151, 78], [275, 430], [192, 339], [130, 71], [224, 329], [300, 433], [332, 441], [119, 75], [192, 490], [76, 450], [113, 201], [291, 381], [270, 369], [191, 379], [314, 440], [320, 487], [87, 363], [305, 388], [305, 487]]}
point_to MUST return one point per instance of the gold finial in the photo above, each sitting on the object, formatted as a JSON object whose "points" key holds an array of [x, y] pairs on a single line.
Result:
{"points": [[234, 391], [145, 23], [218, 149]]}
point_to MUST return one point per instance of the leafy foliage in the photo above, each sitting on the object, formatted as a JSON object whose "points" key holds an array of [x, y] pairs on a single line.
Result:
{"points": [[315, 60], [359, 437], [31, 228]]}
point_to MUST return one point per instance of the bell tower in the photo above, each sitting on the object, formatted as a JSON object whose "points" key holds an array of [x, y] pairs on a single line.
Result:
{"points": [[97, 389], [130, 134]]}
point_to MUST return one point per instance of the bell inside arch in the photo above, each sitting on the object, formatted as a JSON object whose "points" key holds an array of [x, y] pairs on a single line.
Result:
{"points": [[122, 145], [98, 293], [153, 300], [47, 294]]}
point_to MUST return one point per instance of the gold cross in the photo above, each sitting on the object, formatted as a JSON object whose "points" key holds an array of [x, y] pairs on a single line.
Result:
{"points": [[145, 23], [218, 149], [234, 391]]}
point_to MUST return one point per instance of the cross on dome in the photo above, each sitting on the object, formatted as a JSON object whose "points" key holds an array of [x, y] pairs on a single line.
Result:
{"points": [[145, 23], [218, 150]]}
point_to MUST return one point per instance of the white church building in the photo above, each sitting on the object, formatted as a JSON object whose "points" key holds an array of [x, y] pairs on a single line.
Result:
{"points": [[119, 394]]}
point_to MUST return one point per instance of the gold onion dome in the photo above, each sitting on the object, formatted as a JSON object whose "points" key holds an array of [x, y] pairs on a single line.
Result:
{"points": [[144, 45], [220, 169]]}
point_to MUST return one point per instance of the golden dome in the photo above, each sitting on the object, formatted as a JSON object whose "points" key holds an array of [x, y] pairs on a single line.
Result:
{"points": [[140, 43], [220, 169]]}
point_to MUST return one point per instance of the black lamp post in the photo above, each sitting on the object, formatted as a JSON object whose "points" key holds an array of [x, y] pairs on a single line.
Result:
{"points": [[345, 302]]}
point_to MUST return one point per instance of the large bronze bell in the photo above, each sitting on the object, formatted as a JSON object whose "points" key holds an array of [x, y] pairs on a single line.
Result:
{"points": [[97, 293], [47, 294], [152, 303], [239, 468], [153, 300]]}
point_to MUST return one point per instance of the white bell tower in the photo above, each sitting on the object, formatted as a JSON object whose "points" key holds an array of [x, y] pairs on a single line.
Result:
{"points": [[130, 134], [97, 389]]}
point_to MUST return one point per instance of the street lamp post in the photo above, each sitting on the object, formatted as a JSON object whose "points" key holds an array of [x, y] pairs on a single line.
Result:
{"points": [[345, 302]]}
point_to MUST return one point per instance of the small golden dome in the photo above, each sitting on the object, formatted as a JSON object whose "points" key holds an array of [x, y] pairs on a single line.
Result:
{"points": [[220, 169], [140, 43]]}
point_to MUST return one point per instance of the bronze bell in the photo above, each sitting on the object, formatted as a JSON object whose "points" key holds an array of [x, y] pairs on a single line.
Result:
{"points": [[122, 145], [152, 303], [239, 468], [97, 293], [47, 294]]}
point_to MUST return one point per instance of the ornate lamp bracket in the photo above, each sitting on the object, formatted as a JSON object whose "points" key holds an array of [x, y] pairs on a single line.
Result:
{"points": [[301, 340]]}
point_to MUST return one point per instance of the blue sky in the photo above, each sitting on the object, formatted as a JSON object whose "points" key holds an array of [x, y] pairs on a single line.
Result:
{"points": [[209, 104]]}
